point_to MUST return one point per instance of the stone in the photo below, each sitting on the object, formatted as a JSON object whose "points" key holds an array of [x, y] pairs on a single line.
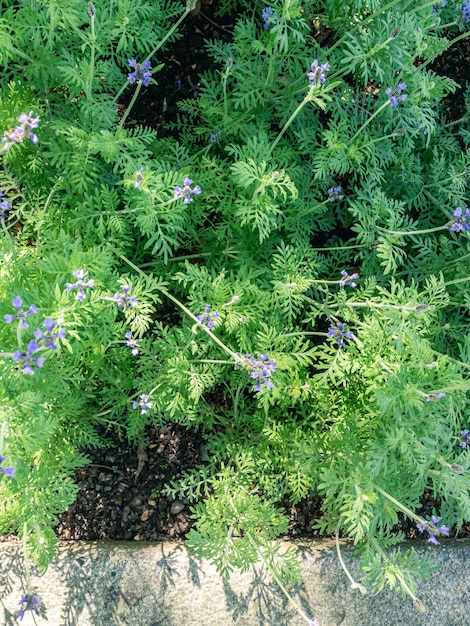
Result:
{"points": [[176, 507], [138, 583]]}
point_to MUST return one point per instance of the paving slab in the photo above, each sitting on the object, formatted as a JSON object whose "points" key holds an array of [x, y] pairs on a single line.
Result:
{"points": [[161, 584]]}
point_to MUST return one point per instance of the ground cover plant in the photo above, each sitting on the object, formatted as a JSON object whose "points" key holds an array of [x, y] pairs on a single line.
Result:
{"points": [[305, 229]]}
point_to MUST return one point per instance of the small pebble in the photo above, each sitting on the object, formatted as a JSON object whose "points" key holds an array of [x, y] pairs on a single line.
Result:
{"points": [[176, 507]]}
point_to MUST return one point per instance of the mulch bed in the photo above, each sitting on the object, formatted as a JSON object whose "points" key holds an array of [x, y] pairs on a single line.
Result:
{"points": [[120, 493]]}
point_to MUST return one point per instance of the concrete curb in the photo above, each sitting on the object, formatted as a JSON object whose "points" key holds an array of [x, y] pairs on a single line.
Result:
{"points": [[152, 584]]}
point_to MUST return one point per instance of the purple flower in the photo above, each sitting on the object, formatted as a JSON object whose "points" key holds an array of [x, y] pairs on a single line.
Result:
{"points": [[436, 8], [27, 124], [26, 358], [340, 333], [48, 338], [395, 95], [4, 206], [186, 191], [141, 72], [433, 530], [132, 343], [466, 11], [348, 279], [215, 136], [317, 73], [435, 397], [207, 318], [10, 137], [32, 603], [260, 369], [465, 438], [334, 193], [143, 404], [17, 302], [461, 222], [270, 17], [8, 471], [138, 178], [313, 622], [80, 284], [123, 300]]}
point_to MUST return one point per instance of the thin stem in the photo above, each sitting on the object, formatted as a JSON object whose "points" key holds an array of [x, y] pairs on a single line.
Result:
{"points": [[21, 54], [188, 313], [277, 579], [456, 281], [189, 7], [305, 334], [464, 118], [12, 248], [432, 528], [400, 233], [341, 247], [18, 335], [397, 134], [416, 601], [26, 561], [131, 104], [92, 57], [373, 305], [448, 25], [236, 400], [270, 70], [450, 43], [366, 20], [311, 209], [293, 116], [3, 431], [211, 361], [228, 66], [354, 584], [456, 361], [367, 122]]}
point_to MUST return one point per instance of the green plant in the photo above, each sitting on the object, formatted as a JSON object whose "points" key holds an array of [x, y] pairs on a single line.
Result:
{"points": [[307, 227]]}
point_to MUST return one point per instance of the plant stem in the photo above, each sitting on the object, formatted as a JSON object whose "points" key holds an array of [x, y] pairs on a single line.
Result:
{"points": [[92, 57], [189, 7], [276, 578], [366, 123], [354, 584], [456, 361], [450, 43], [293, 116], [341, 247], [211, 361], [228, 66], [131, 104], [416, 601], [464, 118], [26, 561], [457, 280], [188, 313], [311, 209], [432, 528], [12, 247], [305, 334], [400, 233], [366, 20]]}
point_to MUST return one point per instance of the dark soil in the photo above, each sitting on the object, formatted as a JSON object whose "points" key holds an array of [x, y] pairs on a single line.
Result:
{"points": [[120, 493], [120, 490]]}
